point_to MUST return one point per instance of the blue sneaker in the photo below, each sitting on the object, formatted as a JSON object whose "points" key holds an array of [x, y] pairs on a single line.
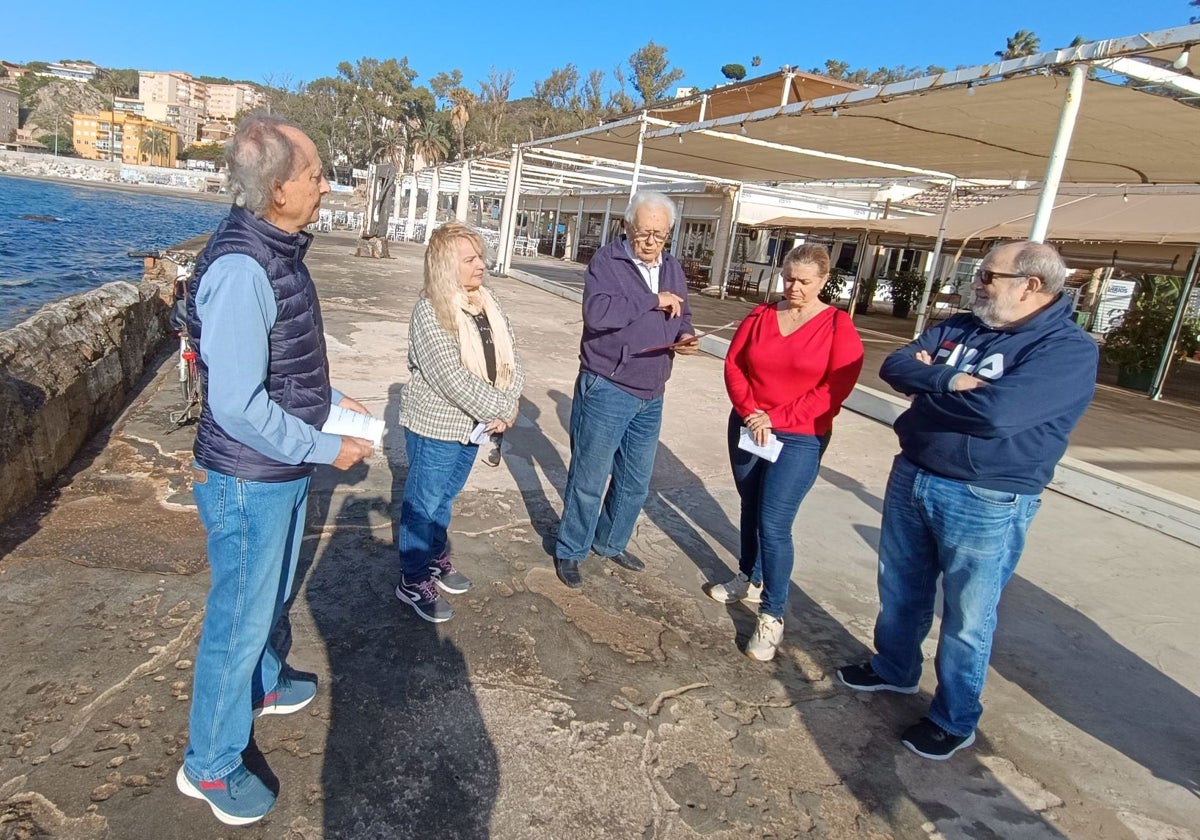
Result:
{"points": [[289, 695], [240, 798]]}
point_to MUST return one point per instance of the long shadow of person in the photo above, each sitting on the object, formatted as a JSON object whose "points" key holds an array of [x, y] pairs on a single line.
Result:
{"points": [[407, 748], [532, 458], [1079, 672]]}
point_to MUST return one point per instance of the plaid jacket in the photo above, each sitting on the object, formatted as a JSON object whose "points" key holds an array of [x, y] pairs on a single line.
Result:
{"points": [[443, 400]]}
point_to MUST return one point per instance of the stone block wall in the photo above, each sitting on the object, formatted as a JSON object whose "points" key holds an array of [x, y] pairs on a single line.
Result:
{"points": [[66, 373]]}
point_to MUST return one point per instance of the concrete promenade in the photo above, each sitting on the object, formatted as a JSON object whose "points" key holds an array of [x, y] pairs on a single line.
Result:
{"points": [[622, 710]]}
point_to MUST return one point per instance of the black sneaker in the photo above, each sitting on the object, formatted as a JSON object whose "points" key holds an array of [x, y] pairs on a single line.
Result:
{"points": [[448, 578], [423, 597], [863, 678], [929, 740]]}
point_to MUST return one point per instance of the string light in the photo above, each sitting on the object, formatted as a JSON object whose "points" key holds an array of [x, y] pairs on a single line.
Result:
{"points": [[1183, 58], [742, 127], [681, 138], [970, 88], [834, 115]]}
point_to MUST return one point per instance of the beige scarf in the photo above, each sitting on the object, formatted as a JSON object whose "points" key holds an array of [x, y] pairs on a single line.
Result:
{"points": [[470, 345]]}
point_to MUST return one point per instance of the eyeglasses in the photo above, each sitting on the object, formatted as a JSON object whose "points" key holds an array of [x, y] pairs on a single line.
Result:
{"points": [[650, 236], [986, 276]]}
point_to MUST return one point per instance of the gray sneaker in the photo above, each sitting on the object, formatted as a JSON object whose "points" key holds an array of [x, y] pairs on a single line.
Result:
{"points": [[423, 597], [738, 589], [767, 636], [448, 578]]}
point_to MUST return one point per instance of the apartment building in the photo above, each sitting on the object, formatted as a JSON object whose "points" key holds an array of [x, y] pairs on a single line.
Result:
{"points": [[225, 102], [185, 118], [8, 114], [172, 88], [78, 71], [123, 136]]}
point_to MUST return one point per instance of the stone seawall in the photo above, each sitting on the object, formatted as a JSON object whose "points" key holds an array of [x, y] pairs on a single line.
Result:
{"points": [[67, 372]]}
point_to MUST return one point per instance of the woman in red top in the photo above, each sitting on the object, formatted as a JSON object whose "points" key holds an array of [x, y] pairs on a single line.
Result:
{"points": [[789, 368]]}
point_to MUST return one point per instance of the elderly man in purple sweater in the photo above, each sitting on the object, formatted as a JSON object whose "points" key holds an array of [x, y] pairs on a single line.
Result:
{"points": [[634, 306]]}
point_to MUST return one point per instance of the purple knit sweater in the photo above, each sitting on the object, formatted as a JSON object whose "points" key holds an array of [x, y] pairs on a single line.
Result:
{"points": [[620, 321]]}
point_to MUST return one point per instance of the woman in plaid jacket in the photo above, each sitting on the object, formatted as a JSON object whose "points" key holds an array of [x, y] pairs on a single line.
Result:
{"points": [[464, 373]]}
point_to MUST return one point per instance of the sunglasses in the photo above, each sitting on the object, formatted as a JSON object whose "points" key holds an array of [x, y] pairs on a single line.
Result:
{"points": [[986, 276]]}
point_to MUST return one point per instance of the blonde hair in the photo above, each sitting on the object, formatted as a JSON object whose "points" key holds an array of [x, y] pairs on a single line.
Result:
{"points": [[442, 286]]}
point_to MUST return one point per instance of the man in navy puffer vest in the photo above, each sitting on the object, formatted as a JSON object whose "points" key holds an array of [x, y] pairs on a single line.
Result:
{"points": [[254, 318]]}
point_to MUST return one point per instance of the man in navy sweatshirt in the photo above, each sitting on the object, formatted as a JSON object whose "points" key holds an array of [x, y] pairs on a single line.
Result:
{"points": [[995, 395], [634, 305]]}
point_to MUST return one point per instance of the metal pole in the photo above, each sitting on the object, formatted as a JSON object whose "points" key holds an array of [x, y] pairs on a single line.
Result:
{"points": [[554, 236], [1058, 154], [675, 243], [431, 206], [637, 159], [578, 232], [604, 226], [732, 241], [931, 275], [1164, 364], [464, 192]]}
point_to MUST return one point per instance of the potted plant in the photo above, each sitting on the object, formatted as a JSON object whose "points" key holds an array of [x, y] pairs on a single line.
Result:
{"points": [[905, 289], [1135, 343], [832, 292]]}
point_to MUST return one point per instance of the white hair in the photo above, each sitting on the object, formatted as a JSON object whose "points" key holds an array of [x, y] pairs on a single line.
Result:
{"points": [[650, 198], [259, 157]]}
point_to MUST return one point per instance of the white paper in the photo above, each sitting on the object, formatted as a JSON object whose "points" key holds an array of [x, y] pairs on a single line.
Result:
{"points": [[770, 451], [480, 434], [343, 421]]}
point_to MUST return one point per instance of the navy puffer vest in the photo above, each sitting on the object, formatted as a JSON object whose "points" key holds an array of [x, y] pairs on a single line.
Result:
{"points": [[297, 370]]}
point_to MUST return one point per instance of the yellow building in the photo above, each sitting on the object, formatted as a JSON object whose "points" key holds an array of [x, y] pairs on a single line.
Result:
{"points": [[126, 137]]}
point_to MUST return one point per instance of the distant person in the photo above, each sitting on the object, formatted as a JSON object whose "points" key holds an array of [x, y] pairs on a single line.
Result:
{"points": [[789, 368], [463, 371], [634, 304], [995, 395], [255, 321]]}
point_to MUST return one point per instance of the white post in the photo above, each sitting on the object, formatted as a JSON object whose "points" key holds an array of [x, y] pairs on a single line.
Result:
{"points": [[508, 213], [735, 205], [604, 226], [431, 205], [411, 227], [1058, 154], [678, 227], [637, 158], [1164, 364], [861, 254], [931, 275], [464, 192], [578, 232]]}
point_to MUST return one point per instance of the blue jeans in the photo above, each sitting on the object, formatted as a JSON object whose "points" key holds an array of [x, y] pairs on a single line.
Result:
{"points": [[612, 433], [971, 537], [437, 472], [254, 531], [771, 495]]}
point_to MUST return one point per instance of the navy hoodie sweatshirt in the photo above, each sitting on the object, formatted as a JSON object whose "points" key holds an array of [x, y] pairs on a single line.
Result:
{"points": [[1008, 434]]}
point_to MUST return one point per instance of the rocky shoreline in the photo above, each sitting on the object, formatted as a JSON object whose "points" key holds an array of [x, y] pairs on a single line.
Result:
{"points": [[106, 175]]}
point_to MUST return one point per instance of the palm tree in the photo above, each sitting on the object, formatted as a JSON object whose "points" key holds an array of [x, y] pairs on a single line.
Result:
{"points": [[430, 143], [460, 116], [155, 144], [1024, 42]]}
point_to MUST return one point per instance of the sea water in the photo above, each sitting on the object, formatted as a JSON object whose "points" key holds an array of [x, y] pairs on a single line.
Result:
{"points": [[82, 238]]}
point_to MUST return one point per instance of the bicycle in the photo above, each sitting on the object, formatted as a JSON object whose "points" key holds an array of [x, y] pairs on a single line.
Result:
{"points": [[189, 375]]}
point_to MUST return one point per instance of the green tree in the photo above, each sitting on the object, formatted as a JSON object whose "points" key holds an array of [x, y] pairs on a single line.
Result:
{"points": [[756, 61], [59, 144], [155, 146], [651, 74], [1022, 43], [430, 142], [118, 82], [1193, 18], [494, 105], [734, 72]]}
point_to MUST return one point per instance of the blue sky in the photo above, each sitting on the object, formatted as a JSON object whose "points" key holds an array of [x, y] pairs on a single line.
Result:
{"points": [[303, 40]]}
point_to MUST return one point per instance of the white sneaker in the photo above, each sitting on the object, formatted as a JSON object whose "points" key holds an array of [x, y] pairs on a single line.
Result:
{"points": [[738, 589], [767, 636]]}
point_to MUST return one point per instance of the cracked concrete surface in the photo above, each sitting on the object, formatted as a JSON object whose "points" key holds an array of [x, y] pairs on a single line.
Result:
{"points": [[621, 710]]}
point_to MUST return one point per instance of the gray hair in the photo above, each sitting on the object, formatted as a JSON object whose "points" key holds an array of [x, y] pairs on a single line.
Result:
{"points": [[650, 198], [1037, 259], [259, 157]]}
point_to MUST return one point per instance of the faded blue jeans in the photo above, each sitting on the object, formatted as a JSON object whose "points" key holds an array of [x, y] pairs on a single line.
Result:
{"points": [[254, 531], [437, 473], [612, 433], [972, 538], [771, 494]]}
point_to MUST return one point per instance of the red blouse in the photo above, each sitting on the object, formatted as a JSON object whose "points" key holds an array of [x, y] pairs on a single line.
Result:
{"points": [[801, 379]]}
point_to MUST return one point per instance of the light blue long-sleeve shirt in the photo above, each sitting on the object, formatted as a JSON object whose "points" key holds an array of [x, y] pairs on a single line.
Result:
{"points": [[238, 309]]}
